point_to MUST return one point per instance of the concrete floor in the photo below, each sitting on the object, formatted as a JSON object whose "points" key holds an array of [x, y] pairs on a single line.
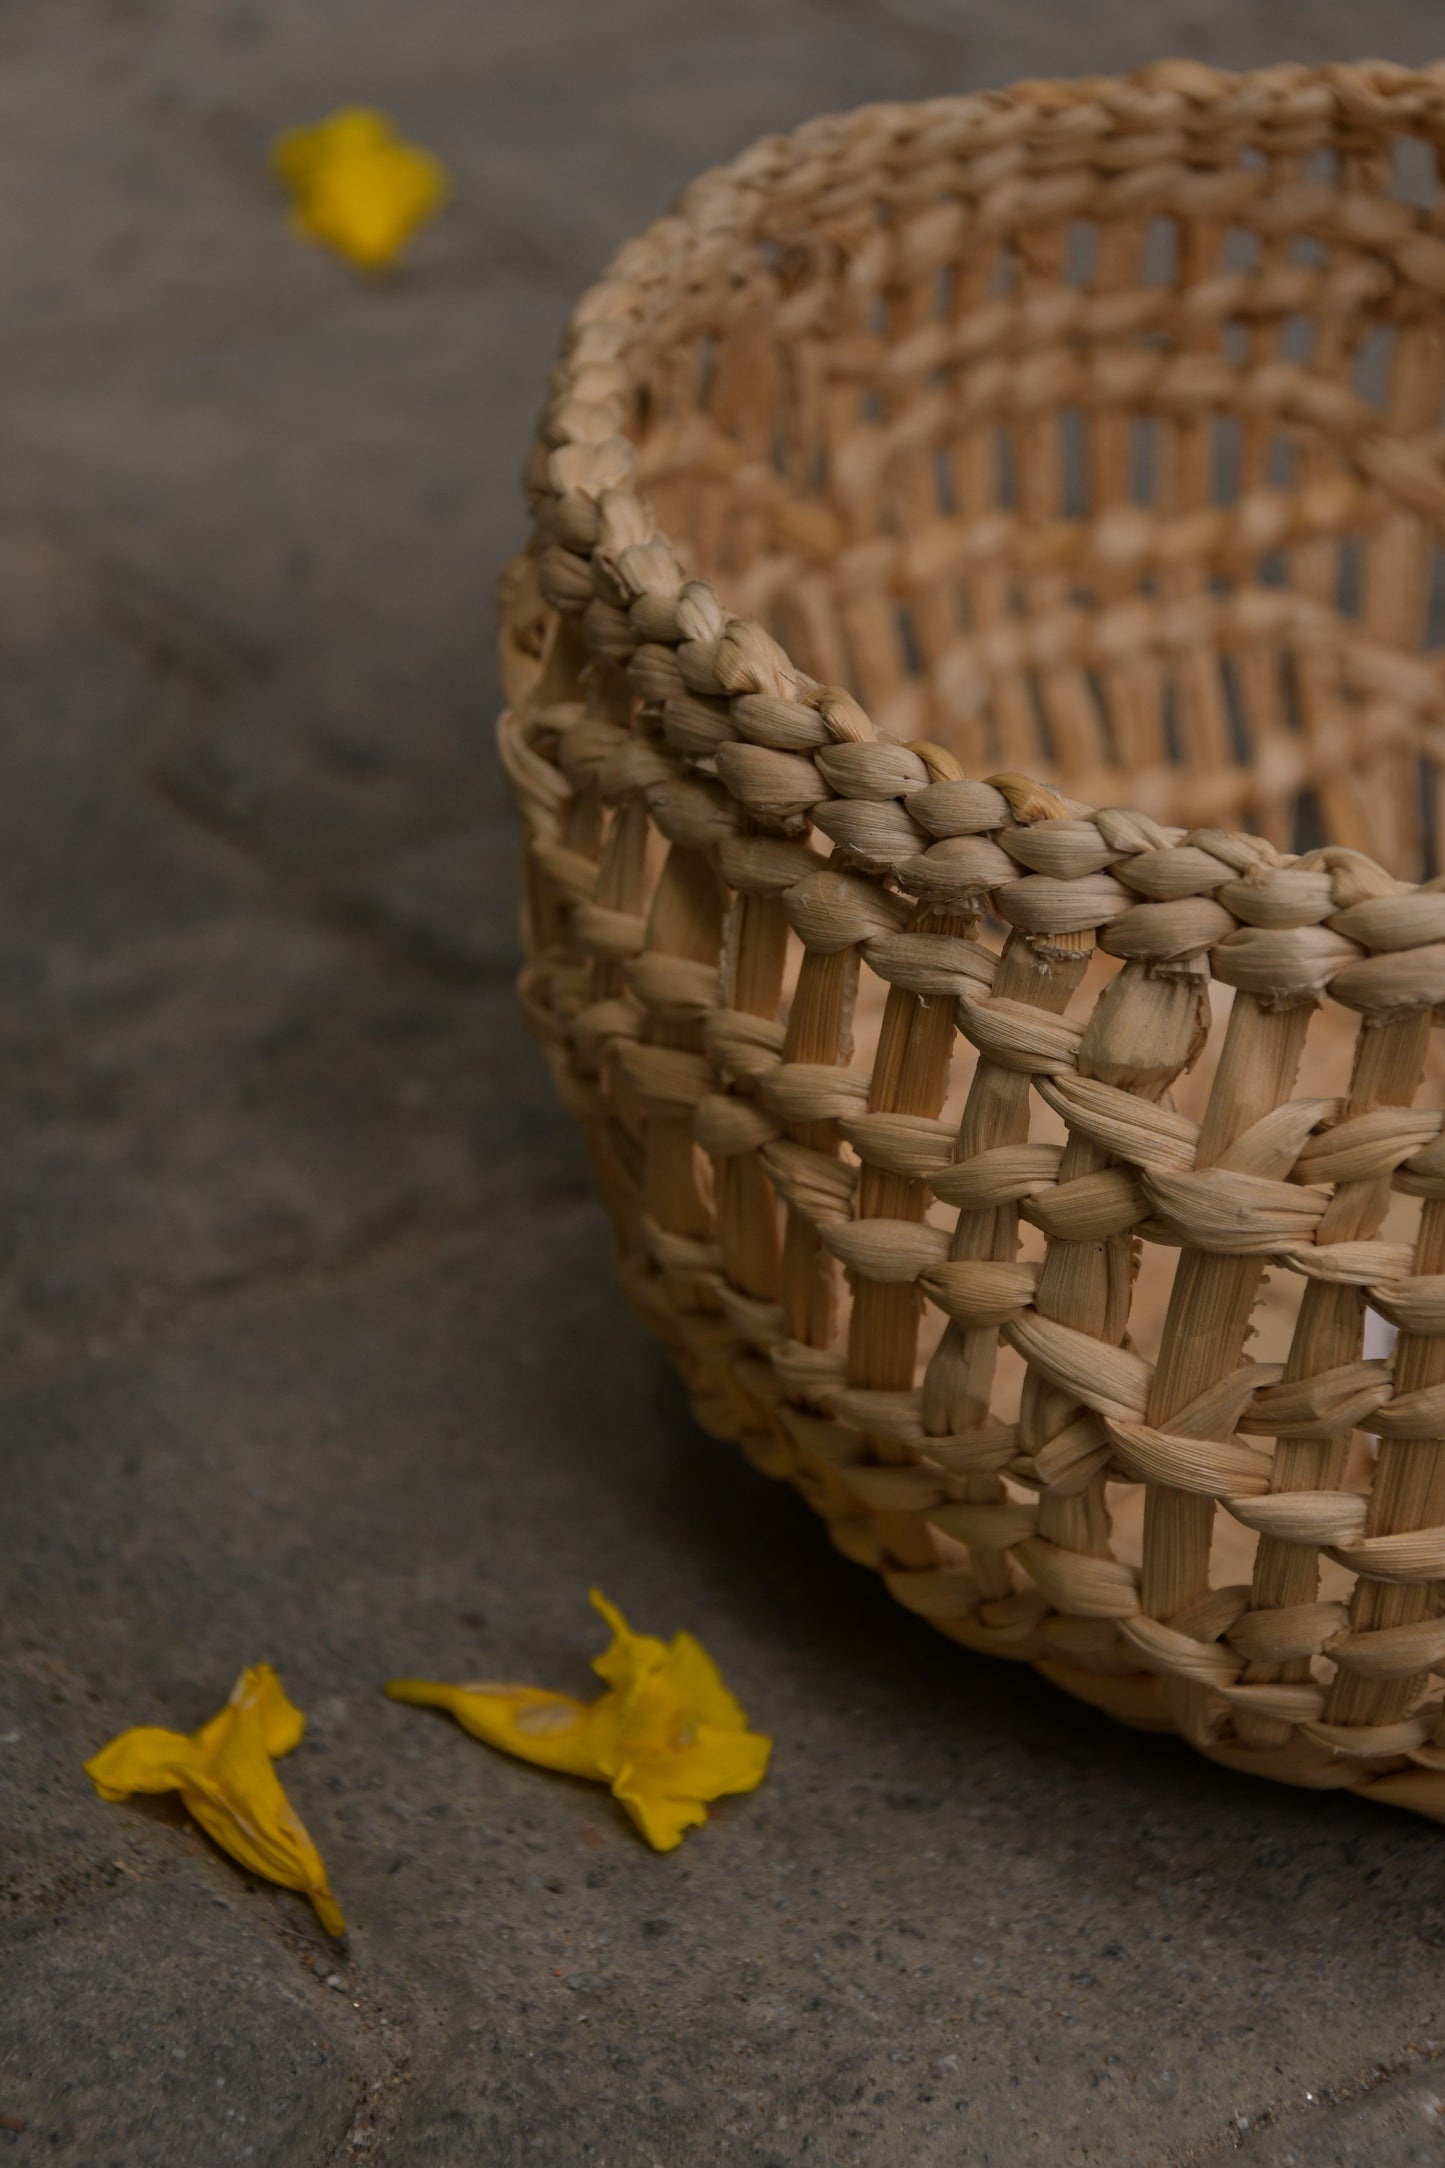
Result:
{"points": [[309, 1341]]}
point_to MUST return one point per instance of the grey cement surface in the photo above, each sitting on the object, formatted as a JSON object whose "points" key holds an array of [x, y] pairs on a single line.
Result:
{"points": [[308, 1343]]}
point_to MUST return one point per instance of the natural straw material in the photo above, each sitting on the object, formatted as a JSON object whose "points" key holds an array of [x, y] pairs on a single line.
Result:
{"points": [[1031, 1184]]}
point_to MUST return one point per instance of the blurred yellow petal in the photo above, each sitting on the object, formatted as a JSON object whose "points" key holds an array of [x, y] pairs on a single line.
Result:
{"points": [[667, 1737], [224, 1775], [631, 1657], [258, 1690], [357, 186], [144, 1760]]}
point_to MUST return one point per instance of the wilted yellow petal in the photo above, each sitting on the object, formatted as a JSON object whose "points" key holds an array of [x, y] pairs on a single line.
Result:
{"points": [[631, 1657], [552, 1730], [667, 1736], [357, 186], [672, 1738], [224, 1775], [260, 1692], [144, 1760]]}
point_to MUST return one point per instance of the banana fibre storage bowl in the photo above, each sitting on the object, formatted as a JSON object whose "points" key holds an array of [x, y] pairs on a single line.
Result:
{"points": [[972, 709]]}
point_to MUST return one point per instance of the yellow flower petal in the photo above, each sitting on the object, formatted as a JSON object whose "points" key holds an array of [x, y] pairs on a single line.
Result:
{"points": [[224, 1775], [357, 186], [353, 131], [667, 1736], [631, 1655], [144, 1760], [664, 1822], [552, 1730], [260, 1690]]}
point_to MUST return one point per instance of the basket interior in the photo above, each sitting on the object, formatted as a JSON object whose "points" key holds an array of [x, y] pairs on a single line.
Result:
{"points": [[1141, 502]]}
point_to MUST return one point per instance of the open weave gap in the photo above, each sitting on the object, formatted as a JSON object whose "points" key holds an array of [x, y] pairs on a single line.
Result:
{"points": [[1055, 1195]]}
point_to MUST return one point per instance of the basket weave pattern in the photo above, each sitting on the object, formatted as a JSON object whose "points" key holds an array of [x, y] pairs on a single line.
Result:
{"points": [[1015, 1177]]}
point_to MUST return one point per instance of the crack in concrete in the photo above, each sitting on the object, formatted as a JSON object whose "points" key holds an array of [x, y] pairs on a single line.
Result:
{"points": [[1328, 2098]]}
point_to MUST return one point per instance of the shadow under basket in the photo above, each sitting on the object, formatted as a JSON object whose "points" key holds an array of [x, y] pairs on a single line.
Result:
{"points": [[1055, 1195]]}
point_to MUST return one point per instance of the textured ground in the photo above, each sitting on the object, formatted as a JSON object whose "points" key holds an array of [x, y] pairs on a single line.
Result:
{"points": [[307, 1334]]}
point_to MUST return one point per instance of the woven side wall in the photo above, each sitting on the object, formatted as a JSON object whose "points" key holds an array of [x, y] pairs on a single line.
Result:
{"points": [[1017, 1178]]}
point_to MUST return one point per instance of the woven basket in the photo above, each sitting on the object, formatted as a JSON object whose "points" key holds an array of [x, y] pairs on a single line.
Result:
{"points": [[1035, 1186]]}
